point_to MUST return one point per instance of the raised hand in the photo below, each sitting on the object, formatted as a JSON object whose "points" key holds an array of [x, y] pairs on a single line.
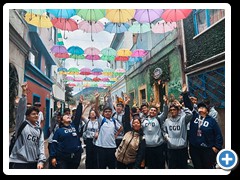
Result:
{"points": [[81, 99], [165, 99], [58, 105], [24, 88], [184, 88], [96, 94]]}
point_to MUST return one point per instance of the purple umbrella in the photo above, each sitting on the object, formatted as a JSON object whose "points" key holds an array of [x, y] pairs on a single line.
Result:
{"points": [[59, 49], [147, 15]]}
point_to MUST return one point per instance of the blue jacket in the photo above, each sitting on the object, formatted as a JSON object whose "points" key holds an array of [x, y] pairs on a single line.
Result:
{"points": [[211, 133], [66, 139]]}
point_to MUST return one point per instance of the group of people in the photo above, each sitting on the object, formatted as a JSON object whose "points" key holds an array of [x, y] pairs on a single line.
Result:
{"points": [[120, 137]]}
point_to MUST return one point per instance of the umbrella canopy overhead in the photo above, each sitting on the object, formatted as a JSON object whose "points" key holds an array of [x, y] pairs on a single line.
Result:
{"points": [[116, 27], [91, 14], [75, 50], [85, 71], [163, 26], [58, 49], [92, 51], [124, 52], [139, 27], [120, 15], [174, 15], [109, 52], [139, 53], [65, 24], [62, 13], [36, 11], [147, 15], [91, 27], [38, 20]]}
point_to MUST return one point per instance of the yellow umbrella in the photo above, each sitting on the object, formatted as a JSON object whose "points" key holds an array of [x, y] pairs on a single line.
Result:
{"points": [[124, 52], [38, 20], [120, 15]]}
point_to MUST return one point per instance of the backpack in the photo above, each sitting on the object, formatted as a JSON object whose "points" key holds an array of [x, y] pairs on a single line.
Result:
{"points": [[14, 137], [105, 120]]}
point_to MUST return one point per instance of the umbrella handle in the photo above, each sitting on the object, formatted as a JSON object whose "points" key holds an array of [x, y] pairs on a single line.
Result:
{"points": [[92, 38], [64, 35]]}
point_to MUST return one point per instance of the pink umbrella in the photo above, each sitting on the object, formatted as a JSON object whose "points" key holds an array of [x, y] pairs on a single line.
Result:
{"points": [[91, 27], [92, 57], [92, 51], [105, 79], [139, 53], [85, 71], [77, 79], [163, 26], [173, 15], [69, 78]]}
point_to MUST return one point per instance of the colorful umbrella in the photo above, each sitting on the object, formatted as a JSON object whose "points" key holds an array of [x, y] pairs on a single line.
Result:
{"points": [[139, 27], [92, 57], [38, 20], [77, 79], [163, 26], [120, 15], [109, 51], [73, 71], [124, 52], [87, 79], [96, 79], [91, 27], [77, 57], [62, 70], [107, 58], [105, 79], [75, 50], [91, 14], [58, 49], [92, 51], [97, 71], [69, 78], [122, 58], [147, 15], [108, 72], [62, 13], [61, 55], [65, 24], [85, 71], [174, 15], [36, 11], [116, 27], [139, 53]]}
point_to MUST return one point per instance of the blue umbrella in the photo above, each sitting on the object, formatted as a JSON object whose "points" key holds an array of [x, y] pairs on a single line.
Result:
{"points": [[116, 27], [62, 13], [75, 50]]}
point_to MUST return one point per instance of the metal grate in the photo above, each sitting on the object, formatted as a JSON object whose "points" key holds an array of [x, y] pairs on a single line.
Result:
{"points": [[209, 85]]}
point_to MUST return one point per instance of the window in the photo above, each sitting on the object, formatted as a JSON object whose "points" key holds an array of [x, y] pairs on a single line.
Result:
{"points": [[143, 95], [203, 18]]}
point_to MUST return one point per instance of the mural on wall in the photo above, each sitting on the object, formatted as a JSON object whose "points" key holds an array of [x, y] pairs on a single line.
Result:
{"points": [[175, 83]]}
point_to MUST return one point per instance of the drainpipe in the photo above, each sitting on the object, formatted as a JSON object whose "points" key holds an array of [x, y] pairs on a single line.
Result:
{"points": [[182, 49]]}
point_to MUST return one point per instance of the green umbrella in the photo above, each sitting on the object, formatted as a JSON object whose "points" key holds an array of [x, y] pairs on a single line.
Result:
{"points": [[91, 14]]}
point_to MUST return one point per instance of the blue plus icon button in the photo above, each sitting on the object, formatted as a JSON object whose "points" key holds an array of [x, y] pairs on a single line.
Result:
{"points": [[227, 159]]}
